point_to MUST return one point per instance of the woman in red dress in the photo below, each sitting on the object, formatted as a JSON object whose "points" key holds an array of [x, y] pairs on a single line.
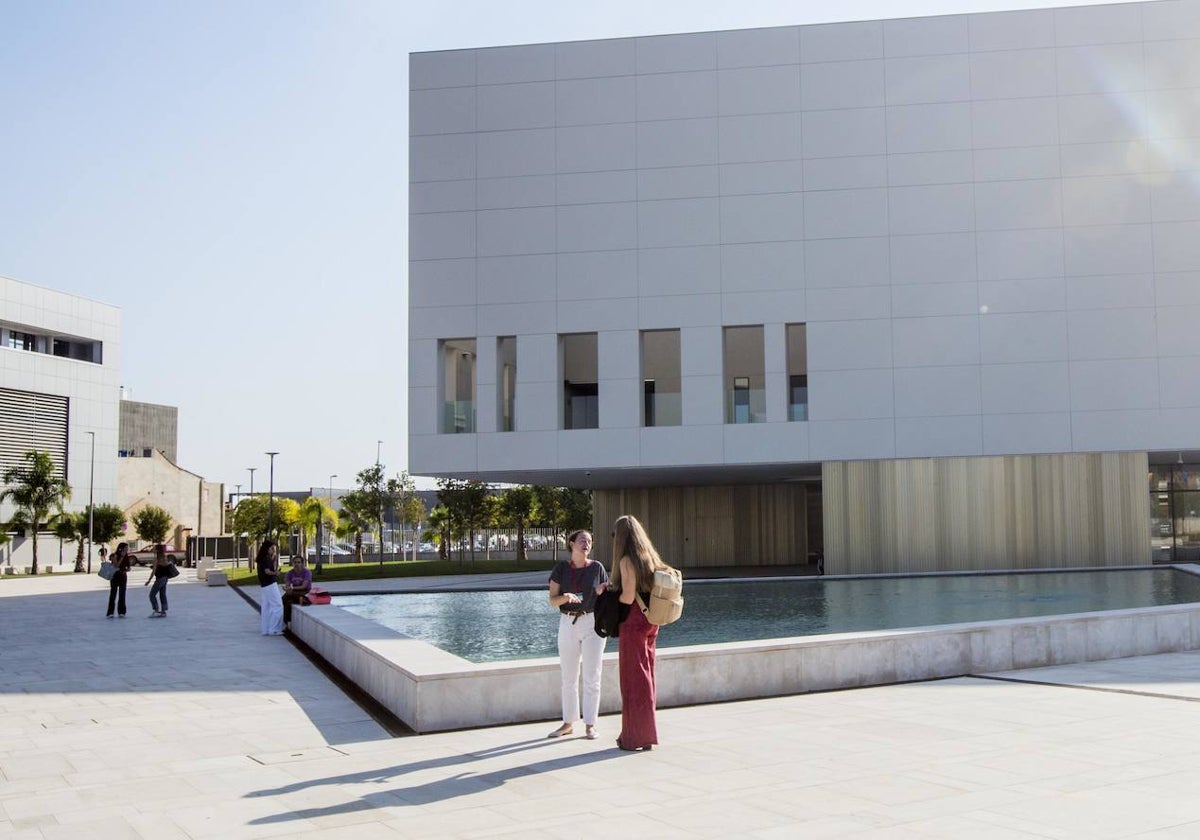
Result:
{"points": [[634, 563]]}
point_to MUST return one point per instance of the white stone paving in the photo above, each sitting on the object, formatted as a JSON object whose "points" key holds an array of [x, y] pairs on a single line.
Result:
{"points": [[195, 726]]}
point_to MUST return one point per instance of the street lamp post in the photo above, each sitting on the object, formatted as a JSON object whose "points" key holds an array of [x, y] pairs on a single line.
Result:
{"points": [[237, 547], [321, 523], [271, 498], [378, 466], [91, 507], [251, 469]]}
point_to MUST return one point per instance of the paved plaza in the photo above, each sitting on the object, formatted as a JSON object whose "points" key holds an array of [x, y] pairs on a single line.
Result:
{"points": [[195, 726]]}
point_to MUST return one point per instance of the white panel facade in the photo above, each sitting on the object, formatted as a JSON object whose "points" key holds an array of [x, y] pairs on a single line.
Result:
{"points": [[92, 388], [990, 224]]}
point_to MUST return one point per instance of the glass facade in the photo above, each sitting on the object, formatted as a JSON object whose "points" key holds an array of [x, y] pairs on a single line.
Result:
{"points": [[1175, 513]]}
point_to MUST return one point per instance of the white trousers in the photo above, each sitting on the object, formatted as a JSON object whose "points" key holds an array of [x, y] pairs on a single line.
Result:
{"points": [[578, 643], [271, 603]]}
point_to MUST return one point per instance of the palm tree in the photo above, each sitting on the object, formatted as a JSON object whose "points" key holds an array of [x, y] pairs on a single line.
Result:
{"points": [[37, 493], [312, 511], [439, 529], [358, 515]]}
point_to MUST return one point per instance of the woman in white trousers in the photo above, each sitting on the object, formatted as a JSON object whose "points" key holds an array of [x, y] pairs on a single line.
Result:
{"points": [[270, 600], [574, 585]]}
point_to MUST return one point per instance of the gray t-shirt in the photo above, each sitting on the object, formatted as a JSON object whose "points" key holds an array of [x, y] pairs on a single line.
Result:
{"points": [[580, 581]]}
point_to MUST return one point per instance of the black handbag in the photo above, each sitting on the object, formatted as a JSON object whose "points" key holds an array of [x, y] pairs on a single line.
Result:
{"points": [[172, 571], [608, 614]]}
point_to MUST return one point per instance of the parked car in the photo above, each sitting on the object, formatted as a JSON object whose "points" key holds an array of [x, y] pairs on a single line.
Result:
{"points": [[327, 551], [145, 556]]}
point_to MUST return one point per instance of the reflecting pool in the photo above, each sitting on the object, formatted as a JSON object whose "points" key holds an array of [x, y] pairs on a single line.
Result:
{"points": [[519, 624]]}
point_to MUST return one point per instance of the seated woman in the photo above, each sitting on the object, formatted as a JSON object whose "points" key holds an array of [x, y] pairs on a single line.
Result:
{"points": [[296, 584]]}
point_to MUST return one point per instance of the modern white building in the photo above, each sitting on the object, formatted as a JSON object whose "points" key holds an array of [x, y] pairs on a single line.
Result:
{"points": [[916, 294], [59, 390]]}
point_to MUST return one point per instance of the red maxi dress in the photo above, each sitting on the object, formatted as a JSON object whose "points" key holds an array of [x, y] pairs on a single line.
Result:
{"points": [[636, 669]]}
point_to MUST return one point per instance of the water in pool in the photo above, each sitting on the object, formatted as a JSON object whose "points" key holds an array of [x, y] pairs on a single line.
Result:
{"points": [[519, 624]]}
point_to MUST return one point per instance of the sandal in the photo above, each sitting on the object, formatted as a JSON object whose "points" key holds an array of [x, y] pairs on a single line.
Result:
{"points": [[565, 729], [590, 733]]}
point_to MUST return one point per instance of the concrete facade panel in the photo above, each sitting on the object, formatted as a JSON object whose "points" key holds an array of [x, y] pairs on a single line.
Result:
{"points": [[988, 222]]}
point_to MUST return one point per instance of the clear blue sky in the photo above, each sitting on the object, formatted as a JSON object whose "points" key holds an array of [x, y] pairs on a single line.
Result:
{"points": [[233, 176]]}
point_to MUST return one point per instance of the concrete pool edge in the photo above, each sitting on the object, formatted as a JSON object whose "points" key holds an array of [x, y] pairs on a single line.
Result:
{"points": [[432, 690]]}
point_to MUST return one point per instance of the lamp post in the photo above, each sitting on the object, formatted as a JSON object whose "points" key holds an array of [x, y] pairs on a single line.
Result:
{"points": [[237, 546], [378, 447], [251, 469], [321, 523], [271, 498], [91, 507]]}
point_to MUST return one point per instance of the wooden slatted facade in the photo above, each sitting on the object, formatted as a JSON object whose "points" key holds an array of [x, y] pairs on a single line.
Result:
{"points": [[1018, 512], [695, 527]]}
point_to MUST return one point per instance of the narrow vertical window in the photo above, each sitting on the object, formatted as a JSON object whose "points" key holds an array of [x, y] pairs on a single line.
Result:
{"points": [[581, 390], [797, 370], [506, 382], [458, 385], [661, 382], [745, 380]]}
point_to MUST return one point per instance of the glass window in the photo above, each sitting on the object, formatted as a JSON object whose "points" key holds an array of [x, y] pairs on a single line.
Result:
{"points": [[797, 368], [21, 340], [458, 385], [661, 383], [745, 394], [581, 389], [1175, 512], [506, 382]]}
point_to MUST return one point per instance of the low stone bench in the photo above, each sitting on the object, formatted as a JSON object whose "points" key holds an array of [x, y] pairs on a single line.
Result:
{"points": [[216, 577]]}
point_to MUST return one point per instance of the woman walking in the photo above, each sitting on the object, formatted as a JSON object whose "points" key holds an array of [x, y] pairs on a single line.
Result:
{"points": [[160, 573], [634, 564], [270, 601], [119, 580], [574, 585]]}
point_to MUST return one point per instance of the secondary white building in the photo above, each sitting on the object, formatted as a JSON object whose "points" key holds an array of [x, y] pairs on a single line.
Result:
{"points": [[59, 387], [915, 293]]}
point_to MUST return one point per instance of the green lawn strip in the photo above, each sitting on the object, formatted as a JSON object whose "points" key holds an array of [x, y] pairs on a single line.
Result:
{"points": [[334, 572]]}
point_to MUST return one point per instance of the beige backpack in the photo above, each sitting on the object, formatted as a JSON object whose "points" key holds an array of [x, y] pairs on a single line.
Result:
{"points": [[666, 597]]}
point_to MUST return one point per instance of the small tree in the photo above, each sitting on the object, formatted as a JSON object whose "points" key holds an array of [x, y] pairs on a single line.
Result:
{"points": [[106, 524], [152, 524], [466, 503], [549, 512], [37, 493], [411, 512], [252, 516], [517, 507]]}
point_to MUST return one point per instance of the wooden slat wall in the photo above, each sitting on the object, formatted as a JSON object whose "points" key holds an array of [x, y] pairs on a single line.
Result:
{"points": [[755, 525], [945, 514]]}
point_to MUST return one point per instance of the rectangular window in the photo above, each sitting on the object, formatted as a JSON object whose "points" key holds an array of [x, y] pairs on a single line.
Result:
{"points": [[21, 340], [458, 385], [506, 382], [745, 379], [661, 383], [797, 369], [581, 389]]}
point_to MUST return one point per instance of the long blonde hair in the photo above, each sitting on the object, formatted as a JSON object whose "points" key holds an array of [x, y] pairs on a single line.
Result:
{"points": [[630, 540]]}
